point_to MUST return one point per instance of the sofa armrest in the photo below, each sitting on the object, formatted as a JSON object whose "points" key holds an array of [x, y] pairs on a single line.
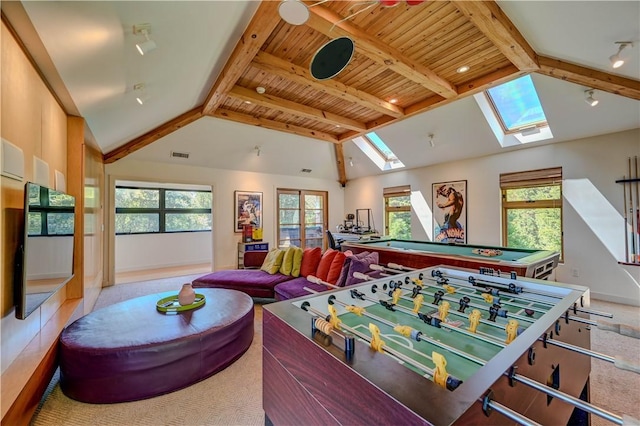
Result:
{"points": [[254, 259]]}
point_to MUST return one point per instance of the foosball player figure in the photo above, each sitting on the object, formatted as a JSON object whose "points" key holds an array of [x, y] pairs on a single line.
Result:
{"points": [[417, 303], [464, 304], [437, 297], [512, 330], [376, 342], [440, 375], [496, 311], [474, 320]]}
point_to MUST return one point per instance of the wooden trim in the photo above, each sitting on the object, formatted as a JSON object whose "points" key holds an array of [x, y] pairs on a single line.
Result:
{"points": [[273, 125], [333, 25], [590, 78], [280, 67], [300, 110], [260, 28], [496, 26], [549, 175], [75, 187], [153, 135], [342, 174]]}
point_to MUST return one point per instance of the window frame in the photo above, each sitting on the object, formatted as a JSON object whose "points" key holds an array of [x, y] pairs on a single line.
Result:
{"points": [[162, 210], [301, 193], [531, 179], [388, 193]]}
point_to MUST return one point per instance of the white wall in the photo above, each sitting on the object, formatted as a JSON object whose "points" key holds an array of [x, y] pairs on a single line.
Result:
{"points": [[593, 205], [224, 183], [150, 251]]}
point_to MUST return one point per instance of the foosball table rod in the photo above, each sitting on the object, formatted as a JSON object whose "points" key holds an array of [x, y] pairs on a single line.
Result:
{"points": [[489, 405], [619, 363], [583, 405]]}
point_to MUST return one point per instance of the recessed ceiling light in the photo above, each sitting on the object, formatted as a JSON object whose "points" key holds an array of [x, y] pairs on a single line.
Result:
{"points": [[462, 69], [393, 101], [247, 102]]}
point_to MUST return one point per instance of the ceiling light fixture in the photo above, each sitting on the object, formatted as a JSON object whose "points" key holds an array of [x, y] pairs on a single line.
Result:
{"points": [[147, 45], [616, 60], [140, 92], [393, 101], [431, 140], [589, 98], [462, 69], [261, 90]]}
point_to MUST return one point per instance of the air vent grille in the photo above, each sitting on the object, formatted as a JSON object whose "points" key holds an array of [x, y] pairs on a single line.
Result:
{"points": [[306, 170], [179, 154]]}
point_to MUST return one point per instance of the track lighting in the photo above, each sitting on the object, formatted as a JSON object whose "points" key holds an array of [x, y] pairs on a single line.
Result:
{"points": [[147, 45], [351, 161], [140, 92], [589, 98], [616, 60], [431, 140]]}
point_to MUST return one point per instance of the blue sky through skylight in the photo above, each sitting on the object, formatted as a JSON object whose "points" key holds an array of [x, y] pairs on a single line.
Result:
{"points": [[382, 147], [517, 103]]}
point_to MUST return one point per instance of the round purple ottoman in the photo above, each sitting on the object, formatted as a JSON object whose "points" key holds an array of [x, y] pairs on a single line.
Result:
{"points": [[130, 351]]}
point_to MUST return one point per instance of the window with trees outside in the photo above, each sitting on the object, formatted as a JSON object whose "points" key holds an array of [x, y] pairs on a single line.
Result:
{"points": [[532, 209], [397, 212], [161, 210], [302, 218]]}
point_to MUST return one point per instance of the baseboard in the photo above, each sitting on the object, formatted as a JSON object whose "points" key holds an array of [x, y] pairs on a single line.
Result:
{"points": [[614, 299]]}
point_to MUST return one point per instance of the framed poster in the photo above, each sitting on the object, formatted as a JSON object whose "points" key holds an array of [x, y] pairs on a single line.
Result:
{"points": [[450, 212], [248, 211]]}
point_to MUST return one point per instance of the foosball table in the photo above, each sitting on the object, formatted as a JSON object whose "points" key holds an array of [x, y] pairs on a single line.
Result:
{"points": [[438, 345]]}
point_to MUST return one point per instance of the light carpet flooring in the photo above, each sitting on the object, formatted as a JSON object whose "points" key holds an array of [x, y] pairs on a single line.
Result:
{"points": [[234, 395]]}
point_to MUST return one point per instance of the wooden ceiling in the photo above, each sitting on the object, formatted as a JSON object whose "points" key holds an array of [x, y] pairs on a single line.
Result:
{"points": [[407, 53]]}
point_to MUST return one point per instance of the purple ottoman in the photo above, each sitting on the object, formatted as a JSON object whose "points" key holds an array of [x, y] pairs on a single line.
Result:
{"points": [[130, 351], [254, 282]]}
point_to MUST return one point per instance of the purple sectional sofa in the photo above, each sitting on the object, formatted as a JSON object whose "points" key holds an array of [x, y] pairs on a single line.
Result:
{"points": [[261, 284]]}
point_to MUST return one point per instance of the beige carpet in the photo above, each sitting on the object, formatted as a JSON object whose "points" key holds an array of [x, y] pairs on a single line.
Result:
{"points": [[234, 395]]}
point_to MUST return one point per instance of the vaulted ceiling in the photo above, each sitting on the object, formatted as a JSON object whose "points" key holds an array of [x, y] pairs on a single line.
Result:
{"points": [[408, 53]]}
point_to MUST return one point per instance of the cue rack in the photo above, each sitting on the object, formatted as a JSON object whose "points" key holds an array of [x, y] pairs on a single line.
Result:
{"points": [[631, 195]]}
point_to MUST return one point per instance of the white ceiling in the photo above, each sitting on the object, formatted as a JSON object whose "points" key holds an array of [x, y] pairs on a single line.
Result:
{"points": [[91, 45]]}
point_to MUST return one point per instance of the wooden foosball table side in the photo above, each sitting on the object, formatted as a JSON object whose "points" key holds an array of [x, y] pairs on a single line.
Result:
{"points": [[307, 382]]}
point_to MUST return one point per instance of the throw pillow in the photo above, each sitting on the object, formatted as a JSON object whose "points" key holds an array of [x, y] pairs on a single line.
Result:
{"points": [[344, 272], [297, 262], [287, 261], [362, 266], [325, 264], [310, 260], [273, 261], [336, 267]]}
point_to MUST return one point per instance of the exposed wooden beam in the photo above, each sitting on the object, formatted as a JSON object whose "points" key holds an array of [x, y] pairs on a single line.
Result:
{"points": [[260, 28], [153, 135], [496, 26], [590, 78], [301, 110], [495, 78], [273, 125], [274, 65], [342, 174], [333, 25]]}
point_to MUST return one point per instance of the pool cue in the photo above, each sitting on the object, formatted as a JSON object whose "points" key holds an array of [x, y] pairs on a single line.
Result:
{"points": [[626, 219], [637, 213], [633, 226]]}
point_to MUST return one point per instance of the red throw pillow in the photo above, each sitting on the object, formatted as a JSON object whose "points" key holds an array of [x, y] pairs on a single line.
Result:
{"points": [[310, 260], [336, 268], [325, 264]]}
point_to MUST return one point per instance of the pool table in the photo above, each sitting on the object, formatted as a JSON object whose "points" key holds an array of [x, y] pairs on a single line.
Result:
{"points": [[422, 254]]}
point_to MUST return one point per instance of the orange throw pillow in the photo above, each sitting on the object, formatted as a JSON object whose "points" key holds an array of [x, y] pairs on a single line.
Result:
{"points": [[336, 267], [325, 264], [310, 260]]}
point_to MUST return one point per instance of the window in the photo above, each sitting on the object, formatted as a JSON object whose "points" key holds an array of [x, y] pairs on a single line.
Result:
{"points": [[50, 213], [302, 218], [532, 209], [517, 105], [161, 210], [397, 212], [378, 152]]}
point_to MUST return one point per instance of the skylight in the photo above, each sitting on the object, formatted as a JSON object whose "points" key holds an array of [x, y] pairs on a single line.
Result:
{"points": [[378, 151], [517, 104], [514, 112]]}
